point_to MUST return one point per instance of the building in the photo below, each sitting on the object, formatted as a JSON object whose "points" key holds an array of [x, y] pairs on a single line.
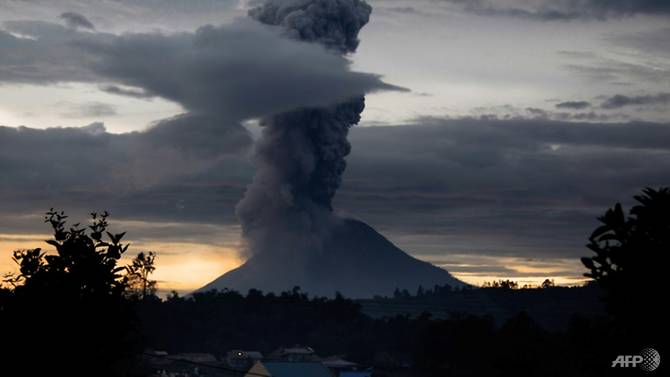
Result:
{"points": [[296, 354], [288, 369], [343, 368], [242, 360]]}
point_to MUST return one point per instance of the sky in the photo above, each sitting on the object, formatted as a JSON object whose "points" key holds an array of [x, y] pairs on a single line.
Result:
{"points": [[493, 136]]}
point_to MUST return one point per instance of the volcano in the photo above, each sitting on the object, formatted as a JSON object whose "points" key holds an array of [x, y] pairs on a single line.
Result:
{"points": [[292, 235], [358, 262]]}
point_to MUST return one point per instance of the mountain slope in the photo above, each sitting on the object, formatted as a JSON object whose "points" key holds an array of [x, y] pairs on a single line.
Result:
{"points": [[358, 262]]}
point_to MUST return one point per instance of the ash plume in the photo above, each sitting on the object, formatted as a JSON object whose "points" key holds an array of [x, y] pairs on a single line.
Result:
{"points": [[332, 23], [300, 157], [292, 236]]}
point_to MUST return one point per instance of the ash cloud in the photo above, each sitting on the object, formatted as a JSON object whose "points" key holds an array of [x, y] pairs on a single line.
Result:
{"points": [[300, 156], [241, 70], [234, 71], [619, 100], [76, 20], [334, 24]]}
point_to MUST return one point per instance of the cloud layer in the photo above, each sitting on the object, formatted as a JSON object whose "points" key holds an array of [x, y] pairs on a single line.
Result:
{"points": [[618, 101], [565, 10], [524, 188], [237, 71]]}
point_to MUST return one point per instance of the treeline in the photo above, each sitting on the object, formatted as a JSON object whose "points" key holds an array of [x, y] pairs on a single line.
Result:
{"points": [[446, 290], [217, 321]]}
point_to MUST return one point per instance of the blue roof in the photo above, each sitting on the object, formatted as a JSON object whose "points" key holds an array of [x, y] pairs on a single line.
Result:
{"points": [[296, 369]]}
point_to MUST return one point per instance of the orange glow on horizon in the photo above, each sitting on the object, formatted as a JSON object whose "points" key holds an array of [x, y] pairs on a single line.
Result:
{"points": [[187, 266], [532, 281]]}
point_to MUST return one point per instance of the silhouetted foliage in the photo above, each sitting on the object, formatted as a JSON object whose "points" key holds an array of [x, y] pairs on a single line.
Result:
{"points": [[630, 263], [66, 313], [548, 283], [139, 285], [501, 284]]}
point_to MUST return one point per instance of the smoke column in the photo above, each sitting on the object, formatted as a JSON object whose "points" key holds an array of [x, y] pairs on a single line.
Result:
{"points": [[286, 211]]}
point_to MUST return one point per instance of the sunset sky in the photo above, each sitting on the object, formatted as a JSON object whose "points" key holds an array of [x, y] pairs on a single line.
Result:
{"points": [[495, 132]]}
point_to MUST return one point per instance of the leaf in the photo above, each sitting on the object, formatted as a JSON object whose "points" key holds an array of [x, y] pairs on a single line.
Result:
{"points": [[588, 262], [111, 237], [618, 212], [96, 235], [54, 243]]}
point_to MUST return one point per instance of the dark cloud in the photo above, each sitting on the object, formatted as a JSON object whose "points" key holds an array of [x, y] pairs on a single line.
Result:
{"points": [[186, 169], [127, 15], [128, 92], [529, 188], [619, 100], [90, 110], [92, 160], [36, 52], [515, 187], [573, 105], [509, 112], [402, 10], [76, 20], [565, 10]]}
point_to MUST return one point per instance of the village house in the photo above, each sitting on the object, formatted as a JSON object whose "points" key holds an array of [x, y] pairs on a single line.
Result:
{"points": [[288, 369]]}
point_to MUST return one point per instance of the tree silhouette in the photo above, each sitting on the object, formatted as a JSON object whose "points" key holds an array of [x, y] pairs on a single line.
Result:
{"points": [[139, 285], [67, 310], [85, 266], [501, 284], [548, 283], [630, 260]]}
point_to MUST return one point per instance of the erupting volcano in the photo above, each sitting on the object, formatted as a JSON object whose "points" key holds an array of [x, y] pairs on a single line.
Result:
{"points": [[292, 236]]}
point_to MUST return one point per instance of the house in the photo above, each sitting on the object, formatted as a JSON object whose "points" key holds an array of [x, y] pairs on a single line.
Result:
{"points": [[242, 360], [296, 353], [343, 368], [288, 369]]}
